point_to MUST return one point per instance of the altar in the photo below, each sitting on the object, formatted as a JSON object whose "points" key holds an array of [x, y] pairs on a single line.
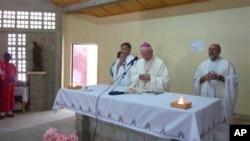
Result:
{"points": [[148, 115]]}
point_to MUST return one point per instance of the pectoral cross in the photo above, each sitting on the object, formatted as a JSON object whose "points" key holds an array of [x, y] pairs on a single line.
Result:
{"points": [[145, 80]]}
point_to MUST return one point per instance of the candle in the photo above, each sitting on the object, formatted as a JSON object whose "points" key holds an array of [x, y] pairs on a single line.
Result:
{"points": [[181, 100], [181, 103]]}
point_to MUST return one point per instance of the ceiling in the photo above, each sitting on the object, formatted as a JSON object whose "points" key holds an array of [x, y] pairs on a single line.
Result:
{"points": [[104, 8]]}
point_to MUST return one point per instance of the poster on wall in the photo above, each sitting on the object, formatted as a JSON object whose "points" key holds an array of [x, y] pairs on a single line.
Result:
{"points": [[197, 45]]}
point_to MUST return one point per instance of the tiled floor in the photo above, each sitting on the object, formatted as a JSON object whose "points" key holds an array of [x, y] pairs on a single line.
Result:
{"points": [[30, 119]]}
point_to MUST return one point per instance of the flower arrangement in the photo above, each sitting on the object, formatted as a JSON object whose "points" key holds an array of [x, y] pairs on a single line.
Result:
{"points": [[52, 135]]}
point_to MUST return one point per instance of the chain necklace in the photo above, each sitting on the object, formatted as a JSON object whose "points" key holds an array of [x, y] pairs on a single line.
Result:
{"points": [[147, 66]]}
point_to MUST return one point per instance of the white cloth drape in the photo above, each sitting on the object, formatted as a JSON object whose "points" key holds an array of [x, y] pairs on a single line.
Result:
{"points": [[22, 91], [148, 113]]}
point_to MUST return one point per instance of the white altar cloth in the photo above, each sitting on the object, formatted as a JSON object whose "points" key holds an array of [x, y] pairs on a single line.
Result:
{"points": [[146, 113], [22, 91]]}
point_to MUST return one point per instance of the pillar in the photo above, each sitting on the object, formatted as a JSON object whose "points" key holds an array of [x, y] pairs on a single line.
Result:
{"points": [[37, 90]]}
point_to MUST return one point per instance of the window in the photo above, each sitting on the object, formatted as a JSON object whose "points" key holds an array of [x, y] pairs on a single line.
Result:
{"points": [[49, 20], [28, 20], [36, 20], [9, 19], [22, 19], [17, 42], [17, 49]]}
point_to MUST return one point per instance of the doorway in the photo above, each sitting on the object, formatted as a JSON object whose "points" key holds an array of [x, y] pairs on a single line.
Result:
{"points": [[84, 64]]}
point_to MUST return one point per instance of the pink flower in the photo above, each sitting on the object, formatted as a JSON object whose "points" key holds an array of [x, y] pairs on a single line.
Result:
{"points": [[73, 137], [61, 137], [52, 135]]}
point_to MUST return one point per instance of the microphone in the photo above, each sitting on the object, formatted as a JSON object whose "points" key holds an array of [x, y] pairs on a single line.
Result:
{"points": [[120, 78], [116, 93], [132, 61]]}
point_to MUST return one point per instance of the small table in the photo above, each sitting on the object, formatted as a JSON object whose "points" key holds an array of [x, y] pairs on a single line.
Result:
{"points": [[24, 92]]}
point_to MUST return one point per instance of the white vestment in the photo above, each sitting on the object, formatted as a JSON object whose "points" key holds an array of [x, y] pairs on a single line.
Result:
{"points": [[121, 77], [159, 78], [226, 91]]}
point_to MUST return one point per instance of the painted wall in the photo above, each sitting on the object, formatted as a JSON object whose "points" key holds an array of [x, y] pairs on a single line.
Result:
{"points": [[170, 34]]}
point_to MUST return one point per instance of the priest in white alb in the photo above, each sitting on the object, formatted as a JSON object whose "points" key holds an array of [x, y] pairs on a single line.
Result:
{"points": [[150, 72], [216, 77], [121, 69]]}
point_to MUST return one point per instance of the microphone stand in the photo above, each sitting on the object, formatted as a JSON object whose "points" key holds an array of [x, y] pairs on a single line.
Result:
{"points": [[121, 76]]}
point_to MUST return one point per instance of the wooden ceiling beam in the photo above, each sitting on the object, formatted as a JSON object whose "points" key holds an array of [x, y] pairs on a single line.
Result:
{"points": [[63, 3], [88, 4]]}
